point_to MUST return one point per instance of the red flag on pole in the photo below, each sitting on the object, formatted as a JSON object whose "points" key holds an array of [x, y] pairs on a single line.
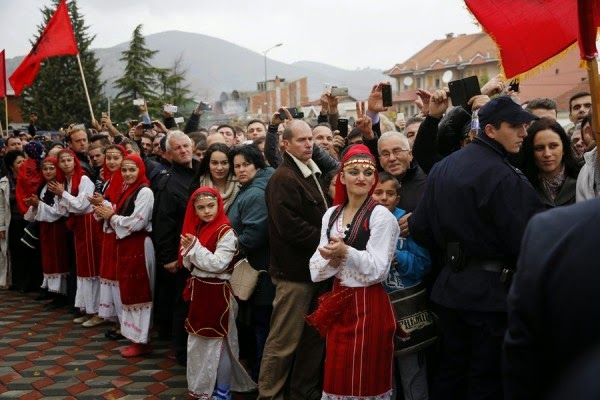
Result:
{"points": [[2, 75], [589, 21], [527, 32], [57, 39]]}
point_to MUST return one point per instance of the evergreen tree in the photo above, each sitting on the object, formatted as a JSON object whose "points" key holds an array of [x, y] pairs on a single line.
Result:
{"points": [[173, 88], [57, 94], [138, 80]]}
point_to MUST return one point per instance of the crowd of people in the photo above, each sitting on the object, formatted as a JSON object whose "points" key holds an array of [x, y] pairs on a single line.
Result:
{"points": [[385, 254]]}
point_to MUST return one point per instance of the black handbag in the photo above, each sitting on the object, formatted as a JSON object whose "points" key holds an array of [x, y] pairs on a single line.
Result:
{"points": [[416, 324]]}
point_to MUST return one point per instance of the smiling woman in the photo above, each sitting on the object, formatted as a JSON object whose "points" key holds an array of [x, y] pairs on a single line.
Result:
{"points": [[549, 162], [216, 172]]}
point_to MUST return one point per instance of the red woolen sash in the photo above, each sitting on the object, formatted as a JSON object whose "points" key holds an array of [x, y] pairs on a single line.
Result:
{"points": [[55, 250], [108, 259], [86, 232], [210, 304], [134, 284]]}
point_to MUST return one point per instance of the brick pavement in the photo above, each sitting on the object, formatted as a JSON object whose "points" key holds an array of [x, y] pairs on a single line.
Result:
{"points": [[43, 354]]}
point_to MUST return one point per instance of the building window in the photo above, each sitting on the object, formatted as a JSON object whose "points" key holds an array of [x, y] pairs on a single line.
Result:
{"points": [[437, 83]]}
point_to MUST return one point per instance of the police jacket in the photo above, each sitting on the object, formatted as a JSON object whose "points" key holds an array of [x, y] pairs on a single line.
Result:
{"points": [[476, 198]]}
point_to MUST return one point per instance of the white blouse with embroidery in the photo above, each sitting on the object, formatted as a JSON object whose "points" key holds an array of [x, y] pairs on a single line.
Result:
{"points": [[44, 212], [360, 268], [202, 263], [78, 204], [140, 218]]}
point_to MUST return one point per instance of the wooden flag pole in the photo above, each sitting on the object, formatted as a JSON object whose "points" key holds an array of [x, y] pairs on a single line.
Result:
{"points": [[2, 130], [87, 95], [6, 114], [594, 78]]}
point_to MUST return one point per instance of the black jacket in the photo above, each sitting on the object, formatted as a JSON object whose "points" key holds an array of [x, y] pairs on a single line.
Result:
{"points": [[554, 303], [170, 202], [412, 186], [474, 197]]}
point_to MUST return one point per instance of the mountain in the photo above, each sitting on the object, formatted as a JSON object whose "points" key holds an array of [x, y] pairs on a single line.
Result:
{"points": [[215, 66]]}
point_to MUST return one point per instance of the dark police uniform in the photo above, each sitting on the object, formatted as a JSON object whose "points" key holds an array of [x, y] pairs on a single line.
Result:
{"points": [[475, 208]]}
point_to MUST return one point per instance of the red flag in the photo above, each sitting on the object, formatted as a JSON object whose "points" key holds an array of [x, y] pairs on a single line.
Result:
{"points": [[589, 21], [527, 32], [57, 39], [2, 75]]}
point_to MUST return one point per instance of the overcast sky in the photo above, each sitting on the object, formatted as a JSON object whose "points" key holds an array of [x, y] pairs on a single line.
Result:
{"points": [[348, 34]]}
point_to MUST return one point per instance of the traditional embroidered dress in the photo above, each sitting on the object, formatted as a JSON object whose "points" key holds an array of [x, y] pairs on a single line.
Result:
{"points": [[135, 256], [86, 234], [110, 298], [356, 316], [53, 236], [212, 329]]}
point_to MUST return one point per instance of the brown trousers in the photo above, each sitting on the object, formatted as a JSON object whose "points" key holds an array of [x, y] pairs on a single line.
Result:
{"points": [[293, 348]]}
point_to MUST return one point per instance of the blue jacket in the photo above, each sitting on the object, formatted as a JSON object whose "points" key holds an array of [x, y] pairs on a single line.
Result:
{"points": [[411, 264], [477, 198], [248, 217]]}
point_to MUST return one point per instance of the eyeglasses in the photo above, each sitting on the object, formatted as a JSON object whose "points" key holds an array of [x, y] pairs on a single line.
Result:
{"points": [[396, 152]]}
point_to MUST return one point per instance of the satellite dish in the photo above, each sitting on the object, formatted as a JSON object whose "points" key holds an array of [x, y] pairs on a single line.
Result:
{"points": [[447, 76], [408, 81]]}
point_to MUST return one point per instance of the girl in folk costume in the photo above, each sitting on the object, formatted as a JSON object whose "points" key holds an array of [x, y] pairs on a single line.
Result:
{"points": [[130, 219], [44, 208], [74, 194], [358, 238], [110, 299], [208, 250]]}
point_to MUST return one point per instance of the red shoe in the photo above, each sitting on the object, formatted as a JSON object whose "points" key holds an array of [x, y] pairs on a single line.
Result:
{"points": [[136, 350]]}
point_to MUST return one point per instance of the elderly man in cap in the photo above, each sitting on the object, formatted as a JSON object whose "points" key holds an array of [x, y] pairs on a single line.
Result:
{"points": [[474, 210]]}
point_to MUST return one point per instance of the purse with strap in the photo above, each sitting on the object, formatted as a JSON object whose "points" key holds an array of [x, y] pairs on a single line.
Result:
{"points": [[243, 279]]}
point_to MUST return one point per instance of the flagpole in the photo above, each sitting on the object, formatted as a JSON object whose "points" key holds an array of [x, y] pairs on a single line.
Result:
{"points": [[87, 95], [594, 78], [6, 114]]}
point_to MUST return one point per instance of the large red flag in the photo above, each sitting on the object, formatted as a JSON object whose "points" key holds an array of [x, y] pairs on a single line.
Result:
{"points": [[57, 39], [527, 32], [2, 75]]}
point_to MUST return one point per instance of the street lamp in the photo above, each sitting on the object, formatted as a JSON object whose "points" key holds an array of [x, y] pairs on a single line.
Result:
{"points": [[265, 87]]}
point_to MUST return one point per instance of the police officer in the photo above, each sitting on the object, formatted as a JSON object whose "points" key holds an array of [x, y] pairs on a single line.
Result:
{"points": [[474, 209]]}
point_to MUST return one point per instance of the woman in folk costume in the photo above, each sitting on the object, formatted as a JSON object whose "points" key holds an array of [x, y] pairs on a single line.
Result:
{"points": [[208, 250], [74, 194], [358, 239], [44, 208], [110, 299], [130, 219]]}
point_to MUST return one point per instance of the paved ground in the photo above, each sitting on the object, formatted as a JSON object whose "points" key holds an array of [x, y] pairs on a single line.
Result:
{"points": [[43, 354]]}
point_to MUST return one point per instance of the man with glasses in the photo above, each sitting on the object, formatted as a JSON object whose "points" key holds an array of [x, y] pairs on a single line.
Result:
{"points": [[395, 157]]}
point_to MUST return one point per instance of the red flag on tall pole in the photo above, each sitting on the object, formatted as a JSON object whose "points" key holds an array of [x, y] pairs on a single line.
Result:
{"points": [[2, 75], [57, 39], [527, 32]]}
